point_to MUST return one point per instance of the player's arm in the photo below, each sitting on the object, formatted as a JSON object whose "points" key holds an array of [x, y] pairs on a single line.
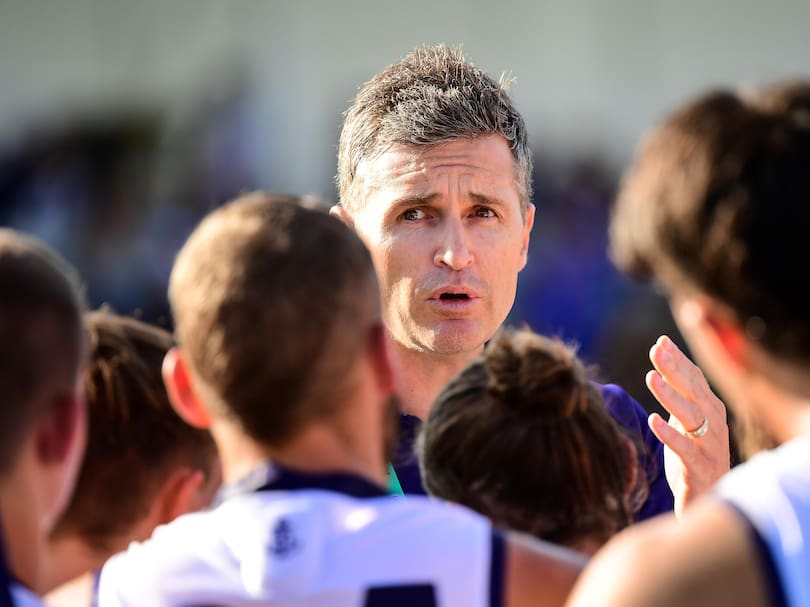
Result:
{"points": [[708, 558], [537, 573]]}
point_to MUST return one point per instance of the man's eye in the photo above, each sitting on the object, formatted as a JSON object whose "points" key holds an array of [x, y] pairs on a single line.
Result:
{"points": [[413, 215], [484, 212]]}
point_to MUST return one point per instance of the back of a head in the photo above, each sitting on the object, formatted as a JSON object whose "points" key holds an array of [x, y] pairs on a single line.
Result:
{"points": [[433, 95], [523, 437], [717, 201], [272, 300], [41, 335], [135, 438]]}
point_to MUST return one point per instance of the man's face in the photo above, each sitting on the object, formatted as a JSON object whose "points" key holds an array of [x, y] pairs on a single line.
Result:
{"points": [[448, 239]]}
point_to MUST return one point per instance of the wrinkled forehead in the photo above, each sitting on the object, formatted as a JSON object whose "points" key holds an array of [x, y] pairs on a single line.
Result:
{"points": [[407, 168]]}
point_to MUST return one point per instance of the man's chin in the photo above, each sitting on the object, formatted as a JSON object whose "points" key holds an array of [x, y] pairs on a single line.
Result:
{"points": [[445, 338], [455, 342]]}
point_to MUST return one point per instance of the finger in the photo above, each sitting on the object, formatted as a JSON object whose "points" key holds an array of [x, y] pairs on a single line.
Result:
{"points": [[681, 373], [681, 445], [685, 411]]}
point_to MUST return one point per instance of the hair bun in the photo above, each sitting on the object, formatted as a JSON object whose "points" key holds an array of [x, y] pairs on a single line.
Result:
{"points": [[534, 376]]}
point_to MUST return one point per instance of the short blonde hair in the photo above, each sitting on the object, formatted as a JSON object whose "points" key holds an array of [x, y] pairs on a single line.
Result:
{"points": [[271, 299]]}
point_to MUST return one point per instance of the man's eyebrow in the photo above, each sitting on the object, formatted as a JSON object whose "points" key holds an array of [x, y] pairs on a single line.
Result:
{"points": [[487, 201], [415, 200], [411, 200]]}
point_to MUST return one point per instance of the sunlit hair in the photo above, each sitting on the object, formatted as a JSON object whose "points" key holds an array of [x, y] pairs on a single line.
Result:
{"points": [[272, 300], [522, 436], [135, 439], [433, 95]]}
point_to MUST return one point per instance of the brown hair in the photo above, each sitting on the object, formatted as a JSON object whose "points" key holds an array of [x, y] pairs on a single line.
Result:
{"points": [[41, 334], [523, 437], [433, 95], [135, 439], [717, 200], [271, 301]]}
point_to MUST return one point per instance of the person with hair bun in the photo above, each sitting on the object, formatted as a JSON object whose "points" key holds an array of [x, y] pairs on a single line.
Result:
{"points": [[522, 436]]}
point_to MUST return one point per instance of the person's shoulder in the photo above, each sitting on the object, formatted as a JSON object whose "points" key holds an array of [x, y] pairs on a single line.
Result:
{"points": [[187, 550], [536, 572], [624, 408], [705, 558], [413, 521], [771, 492], [790, 458], [77, 592], [770, 483], [430, 511]]}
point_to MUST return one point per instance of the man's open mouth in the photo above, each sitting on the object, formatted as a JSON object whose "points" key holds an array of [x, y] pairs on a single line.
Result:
{"points": [[453, 296]]}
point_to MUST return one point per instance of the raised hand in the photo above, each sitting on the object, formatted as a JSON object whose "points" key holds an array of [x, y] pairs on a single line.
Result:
{"points": [[696, 438]]}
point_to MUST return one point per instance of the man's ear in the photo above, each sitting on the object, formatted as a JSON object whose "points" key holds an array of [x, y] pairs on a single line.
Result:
{"points": [[717, 326], [179, 494], [59, 429], [527, 231], [177, 378], [339, 211]]}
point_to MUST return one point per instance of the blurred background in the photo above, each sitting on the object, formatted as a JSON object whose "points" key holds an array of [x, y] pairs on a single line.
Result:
{"points": [[121, 123]]}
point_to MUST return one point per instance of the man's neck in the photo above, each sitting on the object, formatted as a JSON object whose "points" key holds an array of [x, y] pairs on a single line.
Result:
{"points": [[781, 394], [317, 449], [420, 376], [23, 539], [68, 557]]}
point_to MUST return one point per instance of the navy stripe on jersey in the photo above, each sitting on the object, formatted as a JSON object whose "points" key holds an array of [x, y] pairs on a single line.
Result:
{"points": [[272, 477], [5, 576], [770, 574], [412, 595], [497, 569]]}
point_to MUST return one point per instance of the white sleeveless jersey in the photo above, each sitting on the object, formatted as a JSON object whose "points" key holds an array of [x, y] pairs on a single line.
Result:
{"points": [[772, 491], [332, 541]]}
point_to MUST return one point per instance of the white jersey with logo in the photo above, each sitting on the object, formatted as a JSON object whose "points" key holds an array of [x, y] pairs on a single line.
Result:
{"points": [[334, 541], [772, 491]]}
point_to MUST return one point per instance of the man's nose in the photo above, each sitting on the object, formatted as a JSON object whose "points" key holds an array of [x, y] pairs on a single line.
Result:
{"points": [[454, 250]]}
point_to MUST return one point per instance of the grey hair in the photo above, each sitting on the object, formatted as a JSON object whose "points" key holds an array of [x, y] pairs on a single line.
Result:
{"points": [[433, 95]]}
